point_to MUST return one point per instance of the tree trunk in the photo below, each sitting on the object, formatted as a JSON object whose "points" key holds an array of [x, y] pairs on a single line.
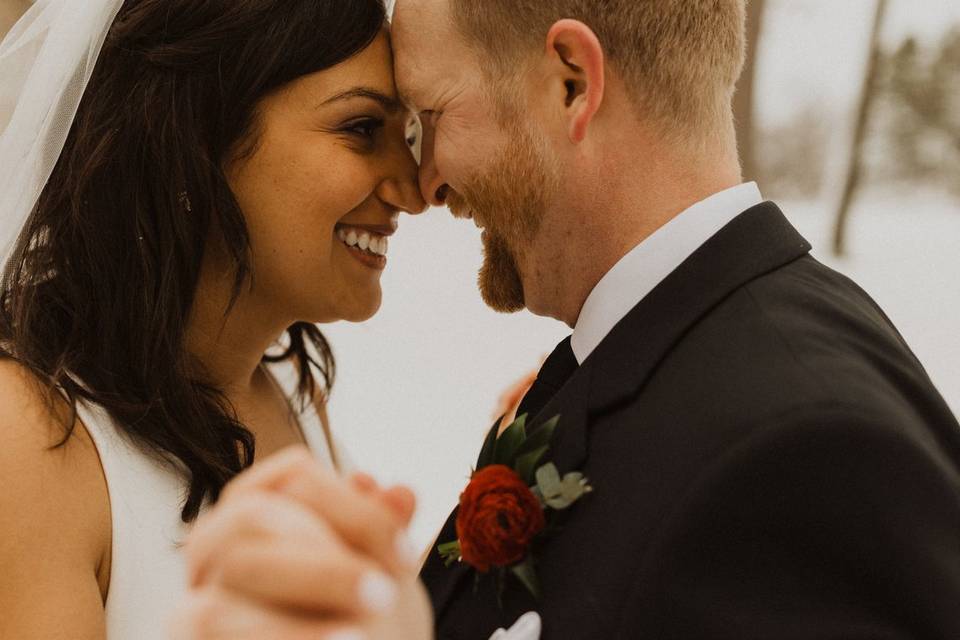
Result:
{"points": [[855, 169], [743, 101]]}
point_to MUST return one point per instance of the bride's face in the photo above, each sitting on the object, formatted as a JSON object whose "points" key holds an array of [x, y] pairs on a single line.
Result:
{"points": [[324, 186]]}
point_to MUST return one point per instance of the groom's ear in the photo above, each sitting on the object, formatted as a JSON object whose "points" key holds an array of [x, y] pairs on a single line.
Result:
{"points": [[576, 64]]}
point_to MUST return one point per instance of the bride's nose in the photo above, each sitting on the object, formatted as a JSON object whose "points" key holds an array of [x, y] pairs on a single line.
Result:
{"points": [[400, 188]]}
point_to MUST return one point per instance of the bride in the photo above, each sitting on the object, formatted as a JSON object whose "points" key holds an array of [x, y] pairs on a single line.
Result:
{"points": [[185, 189]]}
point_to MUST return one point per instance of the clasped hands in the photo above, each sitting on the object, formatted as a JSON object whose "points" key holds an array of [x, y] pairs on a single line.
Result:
{"points": [[293, 550]]}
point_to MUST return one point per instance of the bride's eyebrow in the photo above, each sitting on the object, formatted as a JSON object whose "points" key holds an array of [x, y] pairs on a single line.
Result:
{"points": [[390, 104]]}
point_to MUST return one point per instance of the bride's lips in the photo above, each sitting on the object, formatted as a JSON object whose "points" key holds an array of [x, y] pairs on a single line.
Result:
{"points": [[366, 243]]}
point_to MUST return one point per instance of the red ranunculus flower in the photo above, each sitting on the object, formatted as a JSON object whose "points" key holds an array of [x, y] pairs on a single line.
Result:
{"points": [[498, 518]]}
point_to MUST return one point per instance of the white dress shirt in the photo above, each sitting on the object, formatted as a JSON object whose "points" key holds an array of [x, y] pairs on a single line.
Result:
{"points": [[647, 264]]}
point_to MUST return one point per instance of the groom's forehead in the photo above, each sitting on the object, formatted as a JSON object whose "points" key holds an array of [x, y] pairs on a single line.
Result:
{"points": [[422, 22], [425, 49]]}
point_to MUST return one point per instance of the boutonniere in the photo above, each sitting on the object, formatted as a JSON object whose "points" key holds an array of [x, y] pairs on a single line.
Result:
{"points": [[508, 505]]}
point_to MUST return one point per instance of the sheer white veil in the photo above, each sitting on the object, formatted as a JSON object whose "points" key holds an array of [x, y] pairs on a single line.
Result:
{"points": [[45, 64]]}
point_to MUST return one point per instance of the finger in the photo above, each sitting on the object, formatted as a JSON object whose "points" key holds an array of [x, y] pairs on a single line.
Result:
{"points": [[402, 502], [527, 627], [271, 471], [265, 516], [400, 499], [329, 579], [363, 522], [217, 614], [364, 483]]}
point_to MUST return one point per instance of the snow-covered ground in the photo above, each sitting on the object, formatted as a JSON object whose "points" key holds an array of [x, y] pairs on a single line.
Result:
{"points": [[417, 384]]}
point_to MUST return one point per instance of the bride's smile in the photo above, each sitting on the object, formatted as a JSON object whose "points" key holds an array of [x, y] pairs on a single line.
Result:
{"points": [[367, 243], [324, 186]]}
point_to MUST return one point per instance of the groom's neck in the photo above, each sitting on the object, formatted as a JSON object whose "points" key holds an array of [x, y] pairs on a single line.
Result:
{"points": [[636, 188]]}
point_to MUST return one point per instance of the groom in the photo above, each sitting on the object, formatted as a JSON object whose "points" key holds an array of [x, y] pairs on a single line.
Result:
{"points": [[768, 458]]}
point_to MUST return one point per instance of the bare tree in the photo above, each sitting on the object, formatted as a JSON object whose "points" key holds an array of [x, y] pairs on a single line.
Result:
{"points": [[867, 98], [743, 102]]}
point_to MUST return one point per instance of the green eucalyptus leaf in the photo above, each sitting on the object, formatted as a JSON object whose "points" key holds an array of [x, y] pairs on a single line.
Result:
{"points": [[448, 547], [571, 488], [450, 552], [548, 479], [527, 463], [527, 575], [535, 490], [558, 502], [505, 450], [540, 437], [486, 453]]}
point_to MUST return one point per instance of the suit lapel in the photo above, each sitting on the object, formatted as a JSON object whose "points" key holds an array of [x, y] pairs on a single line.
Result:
{"points": [[757, 242], [441, 580]]}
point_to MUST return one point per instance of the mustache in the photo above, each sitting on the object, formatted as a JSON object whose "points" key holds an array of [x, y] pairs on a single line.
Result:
{"points": [[458, 205]]}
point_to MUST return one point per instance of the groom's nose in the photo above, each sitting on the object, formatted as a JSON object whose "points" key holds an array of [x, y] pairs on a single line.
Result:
{"points": [[432, 185]]}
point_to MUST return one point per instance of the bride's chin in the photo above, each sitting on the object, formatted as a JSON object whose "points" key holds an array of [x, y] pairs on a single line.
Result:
{"points": [[364, 310], [352, 310]]}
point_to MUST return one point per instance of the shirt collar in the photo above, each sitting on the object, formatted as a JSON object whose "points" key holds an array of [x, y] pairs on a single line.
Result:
{"points": [[647, 264]]}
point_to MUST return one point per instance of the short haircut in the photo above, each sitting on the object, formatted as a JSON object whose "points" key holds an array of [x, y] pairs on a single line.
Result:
{"points": [[680, 59]]}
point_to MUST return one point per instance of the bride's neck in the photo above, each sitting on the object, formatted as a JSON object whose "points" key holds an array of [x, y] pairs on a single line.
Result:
{"points": [[229, 348]]}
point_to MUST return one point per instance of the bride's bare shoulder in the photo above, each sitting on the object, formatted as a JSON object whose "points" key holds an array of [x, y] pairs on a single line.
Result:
{"points": [[36, 453], [34, 417], [54, 533]]}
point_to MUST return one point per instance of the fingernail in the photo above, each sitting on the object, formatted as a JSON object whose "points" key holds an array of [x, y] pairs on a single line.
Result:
{"points": [[347, 634], [528, 624], [407, 551], [378, 593]]}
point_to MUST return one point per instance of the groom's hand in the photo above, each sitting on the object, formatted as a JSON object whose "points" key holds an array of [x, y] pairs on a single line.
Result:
{"points": [[293, 547]]}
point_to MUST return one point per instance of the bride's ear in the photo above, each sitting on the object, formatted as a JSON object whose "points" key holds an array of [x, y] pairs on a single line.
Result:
{"points": [[576, 66]]}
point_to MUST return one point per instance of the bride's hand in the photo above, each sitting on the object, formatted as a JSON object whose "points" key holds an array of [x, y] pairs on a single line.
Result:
{"points": [[293, 550]]}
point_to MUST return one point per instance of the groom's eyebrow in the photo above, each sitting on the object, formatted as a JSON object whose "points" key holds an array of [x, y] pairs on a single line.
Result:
{"points": [[391, 104]]}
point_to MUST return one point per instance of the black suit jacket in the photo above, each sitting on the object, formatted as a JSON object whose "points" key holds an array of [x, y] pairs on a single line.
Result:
{"points": [[769, 459]]}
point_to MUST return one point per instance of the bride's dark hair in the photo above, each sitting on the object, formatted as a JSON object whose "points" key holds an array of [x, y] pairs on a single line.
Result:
{"points": [[103, 278]]}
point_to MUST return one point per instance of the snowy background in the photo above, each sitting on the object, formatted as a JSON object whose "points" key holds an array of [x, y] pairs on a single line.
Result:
{"points": [[417, 384]]}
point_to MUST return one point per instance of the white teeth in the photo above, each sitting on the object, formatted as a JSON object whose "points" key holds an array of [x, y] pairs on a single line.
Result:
{"points": [[364, 241]]}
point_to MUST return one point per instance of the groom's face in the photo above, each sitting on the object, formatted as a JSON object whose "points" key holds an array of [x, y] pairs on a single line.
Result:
{"points": [[480, 155]]}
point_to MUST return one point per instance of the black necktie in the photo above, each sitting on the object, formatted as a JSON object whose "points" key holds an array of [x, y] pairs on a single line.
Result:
{"points": [[554, 373]]}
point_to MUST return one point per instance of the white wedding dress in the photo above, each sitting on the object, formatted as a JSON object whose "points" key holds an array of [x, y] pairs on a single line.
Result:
{"points": [[148, 570]]}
